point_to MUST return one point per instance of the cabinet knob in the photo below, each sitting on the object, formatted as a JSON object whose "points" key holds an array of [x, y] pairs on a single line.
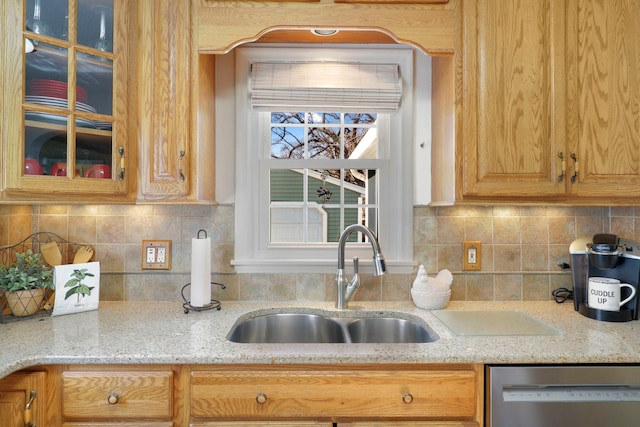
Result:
{"points": [[261, 398], [113, 399], [407, 398]]}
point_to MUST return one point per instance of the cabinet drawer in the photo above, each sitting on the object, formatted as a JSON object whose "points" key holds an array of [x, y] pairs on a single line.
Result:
{"points": [[111, 424], [261, 424], [331, 394], [99, 395]]}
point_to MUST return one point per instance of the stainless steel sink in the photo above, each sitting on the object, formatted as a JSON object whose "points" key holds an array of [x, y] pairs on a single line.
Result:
{"points": [[389, 330], [287, 328], [300, 328]]}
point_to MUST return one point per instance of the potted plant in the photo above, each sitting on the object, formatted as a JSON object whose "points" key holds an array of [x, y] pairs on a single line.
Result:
{"points": [[24, 283]]}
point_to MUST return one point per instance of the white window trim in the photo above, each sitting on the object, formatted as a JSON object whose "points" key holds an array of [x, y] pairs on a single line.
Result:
{"points": [[252, 254]]}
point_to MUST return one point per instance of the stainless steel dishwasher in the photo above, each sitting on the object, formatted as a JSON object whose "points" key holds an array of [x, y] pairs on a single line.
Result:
{"points": [[562, 396]]}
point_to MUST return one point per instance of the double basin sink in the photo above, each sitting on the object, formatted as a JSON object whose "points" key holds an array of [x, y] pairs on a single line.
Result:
{"points": [[313, 328]]}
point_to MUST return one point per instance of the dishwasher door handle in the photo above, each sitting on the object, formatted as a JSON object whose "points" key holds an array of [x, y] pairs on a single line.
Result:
{"points": [[573, 393]]}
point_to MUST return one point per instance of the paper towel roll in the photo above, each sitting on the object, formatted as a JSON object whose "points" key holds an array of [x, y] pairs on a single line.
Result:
{"points": [[200, 271]]}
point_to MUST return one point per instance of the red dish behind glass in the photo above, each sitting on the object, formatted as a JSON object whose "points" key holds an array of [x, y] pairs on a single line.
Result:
{"points": [[55, 89]]}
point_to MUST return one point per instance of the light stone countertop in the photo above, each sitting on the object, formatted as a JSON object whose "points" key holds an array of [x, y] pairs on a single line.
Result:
{"points": [[160, 332]]}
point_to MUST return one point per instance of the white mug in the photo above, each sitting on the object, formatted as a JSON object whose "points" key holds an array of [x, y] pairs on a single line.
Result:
{"points": [[604, 293]]}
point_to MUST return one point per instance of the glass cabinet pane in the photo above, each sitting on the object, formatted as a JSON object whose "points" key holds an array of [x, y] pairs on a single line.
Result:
{"points": [[95, 24], [48, 18], [96, 75], [47, 76], [69, 86]]}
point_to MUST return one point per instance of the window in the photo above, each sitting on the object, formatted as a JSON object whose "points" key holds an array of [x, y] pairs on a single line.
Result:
{"points": [[338, 187], [304, 174]]}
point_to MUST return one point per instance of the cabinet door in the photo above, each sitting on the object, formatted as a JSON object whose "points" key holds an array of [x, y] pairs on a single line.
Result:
{"points": [[513, 123], [163, 72], [15, 392], [604, 96], [65, 102]]}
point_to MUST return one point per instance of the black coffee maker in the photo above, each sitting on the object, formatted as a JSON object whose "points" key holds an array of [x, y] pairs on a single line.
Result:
{"points": [[605, 255]]}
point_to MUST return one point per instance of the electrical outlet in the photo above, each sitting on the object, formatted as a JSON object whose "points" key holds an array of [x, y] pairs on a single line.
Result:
{"points": [[156, 254], [472, 255]]}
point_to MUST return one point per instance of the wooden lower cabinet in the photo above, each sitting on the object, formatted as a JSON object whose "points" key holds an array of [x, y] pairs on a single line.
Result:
{"points": [[96, 397], [119, 424], [305, 395], [414, 392], [261, 423], [15, 392]]}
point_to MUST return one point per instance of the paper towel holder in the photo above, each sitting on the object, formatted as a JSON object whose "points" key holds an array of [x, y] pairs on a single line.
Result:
{"points": [[214, 304], [186, 305]]}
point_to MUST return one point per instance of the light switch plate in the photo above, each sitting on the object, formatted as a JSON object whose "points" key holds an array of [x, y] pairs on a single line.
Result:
{"points": [[156, 254]]}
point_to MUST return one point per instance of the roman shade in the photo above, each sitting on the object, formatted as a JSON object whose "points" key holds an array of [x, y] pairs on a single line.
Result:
{"points": [[335, 86]]}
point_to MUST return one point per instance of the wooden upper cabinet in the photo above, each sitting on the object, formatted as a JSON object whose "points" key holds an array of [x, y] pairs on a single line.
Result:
{"points": [[512, 97], [175, 152], [603, 106], [162, 73], [551, 97], [65, 104]]}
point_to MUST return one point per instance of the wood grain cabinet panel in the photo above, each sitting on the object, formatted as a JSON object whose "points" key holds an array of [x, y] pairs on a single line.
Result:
{"points": [[394, 1], [262, 424], [163, 70], [117, 424], [550, 102], [604, 97], [174, 106], [96, 395], [513, 123], [334, 394], [15, 392]]}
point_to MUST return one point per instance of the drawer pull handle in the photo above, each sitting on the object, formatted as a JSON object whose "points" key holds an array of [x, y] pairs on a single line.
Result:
{"points": [[261, 398], [113, 399], [574, 177], [407, 398]]}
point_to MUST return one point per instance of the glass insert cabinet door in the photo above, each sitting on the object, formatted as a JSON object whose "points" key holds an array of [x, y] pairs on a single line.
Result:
{"points": [[74, 131]]}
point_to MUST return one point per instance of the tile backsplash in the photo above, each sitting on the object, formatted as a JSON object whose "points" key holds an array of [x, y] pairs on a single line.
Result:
{"points": [[524, 249]]}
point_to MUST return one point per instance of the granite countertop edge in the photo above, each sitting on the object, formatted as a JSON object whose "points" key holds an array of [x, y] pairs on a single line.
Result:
{"points": [[161, 333]]}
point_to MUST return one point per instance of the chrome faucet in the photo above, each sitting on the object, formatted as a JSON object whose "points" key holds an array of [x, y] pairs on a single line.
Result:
{"points": [[346, 291]]}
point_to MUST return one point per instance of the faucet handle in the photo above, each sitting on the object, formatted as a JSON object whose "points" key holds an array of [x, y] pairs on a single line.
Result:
{"points": [[355, 265]]}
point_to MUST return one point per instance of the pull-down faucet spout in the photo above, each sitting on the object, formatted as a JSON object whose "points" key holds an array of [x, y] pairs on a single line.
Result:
{"points": [[347, 290]]}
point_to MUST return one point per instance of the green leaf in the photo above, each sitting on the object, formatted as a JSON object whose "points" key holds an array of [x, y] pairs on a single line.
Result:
{"points": [[84, 290], [70, 293], [71, 282]]}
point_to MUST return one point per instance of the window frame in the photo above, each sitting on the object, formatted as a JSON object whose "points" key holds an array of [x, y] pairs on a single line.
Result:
{"points": [[253, 252]]}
